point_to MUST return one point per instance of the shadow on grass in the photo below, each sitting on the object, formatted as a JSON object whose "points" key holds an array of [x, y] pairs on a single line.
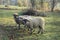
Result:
{"points": [[12, 30]]}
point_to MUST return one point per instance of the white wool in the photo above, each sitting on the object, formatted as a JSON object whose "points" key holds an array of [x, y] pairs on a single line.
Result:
{"points": [[26, 17]]}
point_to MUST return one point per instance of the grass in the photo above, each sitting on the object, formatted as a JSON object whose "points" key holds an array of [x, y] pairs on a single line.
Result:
{"points": [[12, 7], [7, 13], [52, 27]]}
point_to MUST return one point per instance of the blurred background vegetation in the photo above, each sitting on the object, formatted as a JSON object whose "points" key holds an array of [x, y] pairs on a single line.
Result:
{"points": [[45, 5]]}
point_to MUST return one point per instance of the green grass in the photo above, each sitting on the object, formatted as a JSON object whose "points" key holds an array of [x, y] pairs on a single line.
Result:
{"points": [[7, 13], [12, 7], [52, 27]]}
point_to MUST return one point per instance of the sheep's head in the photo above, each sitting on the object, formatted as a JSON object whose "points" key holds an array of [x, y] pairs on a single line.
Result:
{"points": [[15, 15]]}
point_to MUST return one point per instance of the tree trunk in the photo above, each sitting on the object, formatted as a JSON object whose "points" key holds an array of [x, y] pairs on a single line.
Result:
{"points": [[53, 3], [32, 3]]}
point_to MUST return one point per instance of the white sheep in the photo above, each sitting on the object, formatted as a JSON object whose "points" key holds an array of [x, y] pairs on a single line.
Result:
{"points": [[31, 22]]}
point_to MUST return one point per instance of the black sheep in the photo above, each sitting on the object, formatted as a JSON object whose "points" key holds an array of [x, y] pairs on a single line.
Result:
{"points": [[17, 19]]}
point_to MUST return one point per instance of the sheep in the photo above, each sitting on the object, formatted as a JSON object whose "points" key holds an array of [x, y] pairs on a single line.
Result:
{"points": [[31, 22], [18, 19], [36, 22]]}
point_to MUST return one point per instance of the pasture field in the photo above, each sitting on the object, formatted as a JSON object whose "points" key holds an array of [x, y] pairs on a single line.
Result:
{"points": [[8, 26]]}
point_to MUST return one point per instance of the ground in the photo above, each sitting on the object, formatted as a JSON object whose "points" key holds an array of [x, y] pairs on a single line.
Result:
{"points": [[8, 27]]}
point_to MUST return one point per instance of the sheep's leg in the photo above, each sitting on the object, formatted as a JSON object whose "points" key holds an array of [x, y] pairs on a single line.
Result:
{"points": [[30, 29], [41, 29], [18, 26], [29, 26]]}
